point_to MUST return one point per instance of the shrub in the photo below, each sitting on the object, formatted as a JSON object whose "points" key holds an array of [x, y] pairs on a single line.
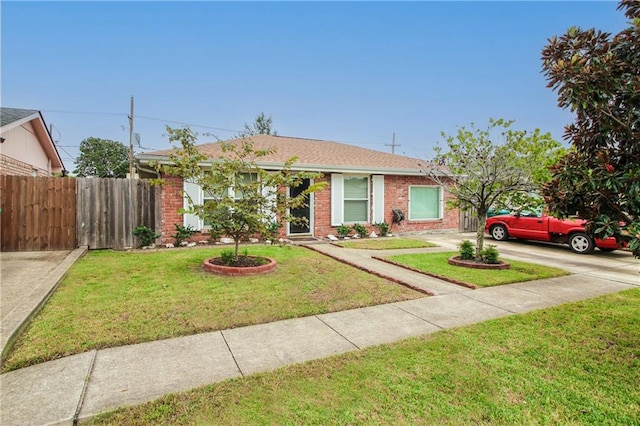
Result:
{"points": [[228, 256], [272, 231], [384, 228], [215, 231], [490, 255], [183, 233], [360, 230], [343, 231], [146, 235], [467, 251]]}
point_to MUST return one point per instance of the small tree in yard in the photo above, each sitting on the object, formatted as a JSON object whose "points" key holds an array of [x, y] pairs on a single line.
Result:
{"points": [[244, 200], [597, 77], [482, 174]]}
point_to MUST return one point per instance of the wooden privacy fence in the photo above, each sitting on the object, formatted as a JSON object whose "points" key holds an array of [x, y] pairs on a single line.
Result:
{"points": [[468, 221], [38, 213], [47, 213], [109, 210]]}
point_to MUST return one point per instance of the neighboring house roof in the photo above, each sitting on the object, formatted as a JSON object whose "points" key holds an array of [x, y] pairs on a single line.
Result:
{"points": [[11, 118], [11, 115], [314, 155]]}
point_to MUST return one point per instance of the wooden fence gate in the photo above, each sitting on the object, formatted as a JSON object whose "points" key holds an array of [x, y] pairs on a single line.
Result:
{"points": [[38, 213], [109, 210]]}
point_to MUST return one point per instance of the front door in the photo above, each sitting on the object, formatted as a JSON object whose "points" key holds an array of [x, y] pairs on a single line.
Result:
{"points": [[303, 211]]}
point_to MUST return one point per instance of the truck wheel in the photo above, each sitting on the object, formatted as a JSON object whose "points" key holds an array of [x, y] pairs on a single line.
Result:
{"points": [[499, 233], [580, 243]]}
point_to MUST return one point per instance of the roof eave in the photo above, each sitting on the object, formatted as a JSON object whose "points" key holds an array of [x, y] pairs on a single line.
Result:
{"points": [[302, 167]]}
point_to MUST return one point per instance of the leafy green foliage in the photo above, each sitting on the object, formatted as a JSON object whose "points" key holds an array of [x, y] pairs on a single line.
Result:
{"points": [[483, 173], [102, 158], [360, 230], [183, 233], [596, 77], [228, 256], [383, 227], [245, 200], [467, 251], [261, 126], [343, 230], [146, 235], [490, 255]]}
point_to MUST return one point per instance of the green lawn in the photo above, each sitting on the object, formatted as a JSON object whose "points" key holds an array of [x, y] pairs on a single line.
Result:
{"points": [[384, 243], [575, 364], [114, 298], [436, 264]]}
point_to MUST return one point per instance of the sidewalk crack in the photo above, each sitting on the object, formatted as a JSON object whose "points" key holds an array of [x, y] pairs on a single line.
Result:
{"points": [[232, 355], [85, 386]]}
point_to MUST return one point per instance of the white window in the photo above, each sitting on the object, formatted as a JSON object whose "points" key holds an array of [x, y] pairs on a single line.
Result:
{"points": [[425, 202], [200, 197], [352, 199], [356, 199]]}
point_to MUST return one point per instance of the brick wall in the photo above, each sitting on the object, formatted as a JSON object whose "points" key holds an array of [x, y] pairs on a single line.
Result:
{"points": [[396, 195], [11, 166]]}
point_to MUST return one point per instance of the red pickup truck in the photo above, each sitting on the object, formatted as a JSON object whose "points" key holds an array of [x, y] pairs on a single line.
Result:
{"points": [[546, 228]]}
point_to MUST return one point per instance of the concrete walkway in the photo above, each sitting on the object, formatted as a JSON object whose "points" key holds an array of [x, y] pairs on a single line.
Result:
{"points": [[81, 386], [28, 279]]}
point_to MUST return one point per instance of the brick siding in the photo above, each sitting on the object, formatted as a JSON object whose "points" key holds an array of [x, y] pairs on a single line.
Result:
{"points": [[11, 166], [396, 195]]}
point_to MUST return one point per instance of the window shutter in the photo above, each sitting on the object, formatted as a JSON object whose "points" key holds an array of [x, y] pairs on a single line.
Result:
{"points": [[337, 199], [269, 192], [378, 198], [195, 192], [441, 190]]}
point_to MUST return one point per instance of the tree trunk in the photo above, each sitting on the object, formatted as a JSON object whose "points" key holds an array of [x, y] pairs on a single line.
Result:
{"points": [[482, 220], [237, 242]]}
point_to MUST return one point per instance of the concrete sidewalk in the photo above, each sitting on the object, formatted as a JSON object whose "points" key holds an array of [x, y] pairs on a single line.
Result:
{"points": [[81, 386]]}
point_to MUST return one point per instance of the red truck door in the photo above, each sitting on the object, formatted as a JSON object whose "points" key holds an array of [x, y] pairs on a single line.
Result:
{"points": [[529, 227]]}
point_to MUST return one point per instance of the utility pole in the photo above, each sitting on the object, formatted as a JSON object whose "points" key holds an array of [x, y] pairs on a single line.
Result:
{"points": [[393, 144], [131, 166]]}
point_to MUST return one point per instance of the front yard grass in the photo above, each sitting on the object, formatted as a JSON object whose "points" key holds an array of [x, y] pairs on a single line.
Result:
{"points": [[436, 264], [112, 298], [384, 243], [578, 363]]}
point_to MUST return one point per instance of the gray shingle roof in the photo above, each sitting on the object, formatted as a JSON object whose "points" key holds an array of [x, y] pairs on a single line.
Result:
{"points": [[9, 115]]}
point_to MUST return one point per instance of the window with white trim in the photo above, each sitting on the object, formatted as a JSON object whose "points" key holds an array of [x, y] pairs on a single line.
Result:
{"points": [[356, 199], [199, 196], [425, 202]]}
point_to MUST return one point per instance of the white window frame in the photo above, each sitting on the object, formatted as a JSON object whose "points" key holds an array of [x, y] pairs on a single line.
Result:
{"points": [[368, 199], [198, 196], [440, 202]]}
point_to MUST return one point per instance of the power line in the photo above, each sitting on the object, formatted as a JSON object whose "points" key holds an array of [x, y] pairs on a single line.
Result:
{"points": [[143, 117], [187, 124]]}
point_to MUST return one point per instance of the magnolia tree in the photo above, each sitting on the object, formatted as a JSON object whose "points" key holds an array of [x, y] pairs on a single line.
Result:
{"points": [[494, 167], [597, 77], [242, 199]]}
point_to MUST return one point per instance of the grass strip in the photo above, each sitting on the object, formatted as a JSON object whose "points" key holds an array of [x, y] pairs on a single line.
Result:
{"points": [[384, 243], [112, 298], [578, 363], [435, 264]]}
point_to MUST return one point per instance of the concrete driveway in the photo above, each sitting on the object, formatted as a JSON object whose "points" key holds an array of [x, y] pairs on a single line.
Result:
{"points": [[27, 279]]}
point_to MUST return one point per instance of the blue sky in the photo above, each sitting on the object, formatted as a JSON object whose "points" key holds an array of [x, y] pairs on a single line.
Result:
{"points": [[353, 72]]}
